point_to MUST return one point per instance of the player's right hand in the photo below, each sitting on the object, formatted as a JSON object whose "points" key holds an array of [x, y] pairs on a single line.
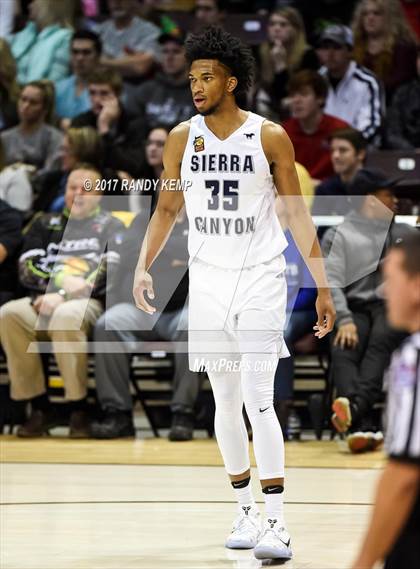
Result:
{"points": [[143, 282]]}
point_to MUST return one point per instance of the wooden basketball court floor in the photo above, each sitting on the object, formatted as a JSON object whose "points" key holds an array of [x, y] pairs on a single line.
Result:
{"points": [[151, 504]]}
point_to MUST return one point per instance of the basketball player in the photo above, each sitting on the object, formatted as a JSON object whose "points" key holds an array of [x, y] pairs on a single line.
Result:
{"points": [[235, 161]]}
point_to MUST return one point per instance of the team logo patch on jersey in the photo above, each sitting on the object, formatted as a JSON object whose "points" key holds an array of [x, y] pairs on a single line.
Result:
{"points": [[198, 143], [249, 135]]}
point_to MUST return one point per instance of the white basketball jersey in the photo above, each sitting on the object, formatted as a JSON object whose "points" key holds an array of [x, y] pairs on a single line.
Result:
{"points": [[230, 197]]}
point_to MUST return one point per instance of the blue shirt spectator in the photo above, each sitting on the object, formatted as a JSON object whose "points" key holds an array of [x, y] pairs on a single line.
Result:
{"points": [[42, 48], [69, 104], [72, 93], [301, 289], [300, 319]]}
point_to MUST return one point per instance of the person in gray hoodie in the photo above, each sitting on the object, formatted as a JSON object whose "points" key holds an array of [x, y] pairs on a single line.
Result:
{"points": [[165, 99], [363, 340]]}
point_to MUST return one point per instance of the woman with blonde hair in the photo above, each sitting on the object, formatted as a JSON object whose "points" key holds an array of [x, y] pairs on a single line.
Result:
{"points": [[33, 141], [79, 145], [384, 42], [42, 48], [9, 89], [285, 52]]}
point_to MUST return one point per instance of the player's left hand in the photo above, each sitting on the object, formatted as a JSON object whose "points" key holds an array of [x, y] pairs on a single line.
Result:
{"points": [[326, 313]]}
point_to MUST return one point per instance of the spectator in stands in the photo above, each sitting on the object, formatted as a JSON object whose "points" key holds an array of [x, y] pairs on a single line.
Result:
{"points": [[15, 187], [8, 10], [63, 267], [33, 142], [79, 145], [125, 323], [354, 93], [122, 138], [10, 242], [72, 93], [310, 128], [412, 14], [209, 13], [403, 124], [348, 153], [156, 11], [9, 89], [155, 142], [384, 42], [363, 342], [129, 43], [285, 52], [306, 183], [42, 48], [166, 99], [300, 318], [314, 14]]}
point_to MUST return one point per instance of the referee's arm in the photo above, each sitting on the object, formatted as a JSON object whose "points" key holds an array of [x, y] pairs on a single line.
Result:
{"points": [[395, 496], [400, 482]]}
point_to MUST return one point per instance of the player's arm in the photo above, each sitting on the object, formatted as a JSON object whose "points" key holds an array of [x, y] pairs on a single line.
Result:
{"points": [[395, 497], [163, 219], [281, 157]]}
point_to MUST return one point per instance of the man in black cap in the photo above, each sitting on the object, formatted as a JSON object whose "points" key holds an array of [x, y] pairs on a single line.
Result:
{"points": [[354, 93], [363, 341], [166, 99]]}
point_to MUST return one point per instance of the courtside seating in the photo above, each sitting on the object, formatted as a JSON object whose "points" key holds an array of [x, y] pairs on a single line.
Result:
{"points": [[312, 386]]}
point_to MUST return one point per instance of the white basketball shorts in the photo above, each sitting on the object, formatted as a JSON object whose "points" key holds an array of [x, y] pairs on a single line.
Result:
{"points": [[232, 312]]}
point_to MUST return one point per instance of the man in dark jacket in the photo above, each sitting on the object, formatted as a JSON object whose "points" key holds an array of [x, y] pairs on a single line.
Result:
{"points": [[122, 138], [126, 325], [63, 267], [403, 125], [363, 341], [348, 152], [166, 99]]}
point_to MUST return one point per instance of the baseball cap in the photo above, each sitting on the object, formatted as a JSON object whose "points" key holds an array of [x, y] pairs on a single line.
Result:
{"points": [[341, 35], [369, 181]]}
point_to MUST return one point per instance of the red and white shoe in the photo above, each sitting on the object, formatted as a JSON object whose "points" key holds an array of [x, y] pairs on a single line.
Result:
{"points": [[364, 442], [342, 418]]}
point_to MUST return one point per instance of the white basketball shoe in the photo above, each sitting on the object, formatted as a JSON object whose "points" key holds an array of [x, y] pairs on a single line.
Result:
{"points": [[274, 542], [246, 529]]}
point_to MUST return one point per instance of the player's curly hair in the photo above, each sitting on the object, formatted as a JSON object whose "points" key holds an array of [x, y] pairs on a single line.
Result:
{"points": [[215, 43]]}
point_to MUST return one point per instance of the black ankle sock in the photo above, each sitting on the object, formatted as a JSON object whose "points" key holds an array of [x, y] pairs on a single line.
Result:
{"points": [[274, 489], [41, 403], [237, 484]]}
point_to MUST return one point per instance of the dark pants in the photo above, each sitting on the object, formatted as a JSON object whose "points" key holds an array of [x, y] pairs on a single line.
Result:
{"points": [[358, 373], [301, 323], [125, 323], [405, 553]]}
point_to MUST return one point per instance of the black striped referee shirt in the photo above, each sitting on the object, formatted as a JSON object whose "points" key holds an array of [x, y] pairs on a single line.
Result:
{"points": [[403, 414]]}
